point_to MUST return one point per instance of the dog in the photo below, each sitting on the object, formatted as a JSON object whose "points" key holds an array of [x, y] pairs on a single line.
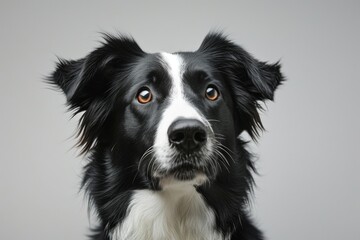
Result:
{"points": [[161, 132]]}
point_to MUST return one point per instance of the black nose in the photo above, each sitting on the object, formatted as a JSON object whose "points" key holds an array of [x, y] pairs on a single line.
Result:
{"points": [[187, 134]]}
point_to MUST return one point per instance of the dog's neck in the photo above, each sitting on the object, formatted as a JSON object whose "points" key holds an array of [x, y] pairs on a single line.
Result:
{"points": [[176, 212]]}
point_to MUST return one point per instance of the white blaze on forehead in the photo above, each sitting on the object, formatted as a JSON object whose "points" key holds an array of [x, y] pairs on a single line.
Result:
{"points": [[174, 64], [179, 106]]}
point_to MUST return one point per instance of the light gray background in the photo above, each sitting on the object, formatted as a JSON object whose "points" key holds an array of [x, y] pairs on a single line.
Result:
{"points": [[308, 158]]}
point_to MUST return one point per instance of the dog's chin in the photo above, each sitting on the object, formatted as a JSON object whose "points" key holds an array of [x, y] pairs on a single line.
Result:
{"points": [[185, 174], [182, 180]]}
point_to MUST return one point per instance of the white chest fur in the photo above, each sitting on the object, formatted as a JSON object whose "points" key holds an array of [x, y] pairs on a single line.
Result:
{"points": [[167, 215]]}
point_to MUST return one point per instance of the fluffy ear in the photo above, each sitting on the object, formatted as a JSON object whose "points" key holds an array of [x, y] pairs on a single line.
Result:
{"points": [[251, 80], [89, 78], [87, 84], [260, 78]]}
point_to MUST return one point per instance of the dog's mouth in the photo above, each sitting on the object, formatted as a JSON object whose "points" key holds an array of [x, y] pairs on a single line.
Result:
{"points": [[182, 171], [187, 167], [181, 176]]}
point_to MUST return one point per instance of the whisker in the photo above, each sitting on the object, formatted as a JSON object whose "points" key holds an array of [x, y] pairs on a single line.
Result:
{"points": [[213, 163], [149, 151], [222, 156], [151, 162], [219, 134], [223, 160], [226, 147], [219, 138], [137, 172], [113, 147], [223, 148], [213, 120]]}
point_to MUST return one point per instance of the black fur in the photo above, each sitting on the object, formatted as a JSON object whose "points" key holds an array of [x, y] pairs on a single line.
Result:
{"points": [[115, 131]]}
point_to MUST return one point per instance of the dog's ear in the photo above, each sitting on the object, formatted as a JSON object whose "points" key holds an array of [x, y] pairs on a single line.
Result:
{"points": [[87, 84], [260, 78], [89, 78], [251, 80]]}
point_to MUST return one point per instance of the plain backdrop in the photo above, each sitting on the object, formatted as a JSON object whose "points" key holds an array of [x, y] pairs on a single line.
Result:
{"points": [[308, 159]]}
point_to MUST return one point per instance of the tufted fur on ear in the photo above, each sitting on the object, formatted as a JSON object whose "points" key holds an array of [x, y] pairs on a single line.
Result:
{"points": [[88, 78], [88, 82], [251, 80]]}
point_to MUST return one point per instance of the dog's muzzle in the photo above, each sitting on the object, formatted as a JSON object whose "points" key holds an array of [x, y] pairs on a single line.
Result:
{"points": [[187, 135], [188, 154]]}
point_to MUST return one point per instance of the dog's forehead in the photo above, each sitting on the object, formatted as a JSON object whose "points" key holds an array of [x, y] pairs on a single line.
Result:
{"points": [[182, 63], [186, 63], [170, 64], [174, 69], [174, 65]]}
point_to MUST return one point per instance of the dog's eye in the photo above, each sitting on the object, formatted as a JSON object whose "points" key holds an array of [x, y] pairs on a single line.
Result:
{"points": [[144, 95], [212, 93]]}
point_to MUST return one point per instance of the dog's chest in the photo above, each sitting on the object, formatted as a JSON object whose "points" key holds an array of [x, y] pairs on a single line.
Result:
{"points": [[167, 216]]}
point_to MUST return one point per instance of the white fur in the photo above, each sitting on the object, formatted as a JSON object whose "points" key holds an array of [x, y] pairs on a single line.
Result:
{"points": [[179, 107], [177, 212]]}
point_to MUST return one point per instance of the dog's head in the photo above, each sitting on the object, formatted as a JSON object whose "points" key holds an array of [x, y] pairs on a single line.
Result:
{"points": [[167, 116]]}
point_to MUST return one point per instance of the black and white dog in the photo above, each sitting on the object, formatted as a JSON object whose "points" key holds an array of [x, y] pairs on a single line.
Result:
{"points": [[162, 133]]}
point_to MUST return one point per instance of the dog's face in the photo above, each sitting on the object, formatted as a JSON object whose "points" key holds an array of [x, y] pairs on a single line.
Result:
{"points": [[167, 117], [176, 102]]}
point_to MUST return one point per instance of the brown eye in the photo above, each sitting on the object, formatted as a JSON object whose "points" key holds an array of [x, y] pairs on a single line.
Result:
{"points": [[144, 96], [212, 93]]}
